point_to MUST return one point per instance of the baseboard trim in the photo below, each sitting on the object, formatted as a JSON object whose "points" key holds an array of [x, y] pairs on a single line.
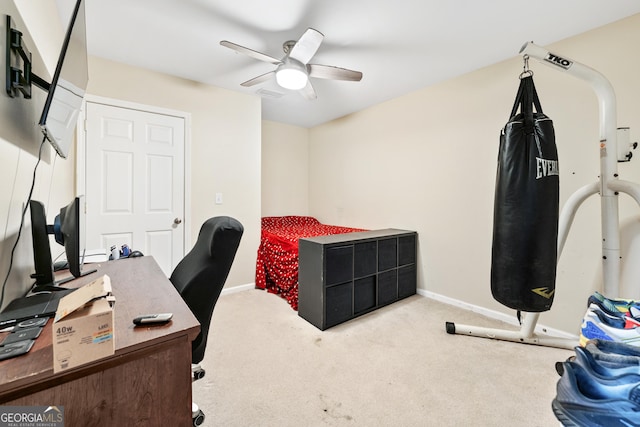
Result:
{"points": [[239, 288], [492, 314]]}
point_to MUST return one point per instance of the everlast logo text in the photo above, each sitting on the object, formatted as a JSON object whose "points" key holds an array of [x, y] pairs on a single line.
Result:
{"points": [[560, 62], [546, 167]]}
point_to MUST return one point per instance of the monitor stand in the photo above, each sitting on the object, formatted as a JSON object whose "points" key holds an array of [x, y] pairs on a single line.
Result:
{"points": [[54, 287]]}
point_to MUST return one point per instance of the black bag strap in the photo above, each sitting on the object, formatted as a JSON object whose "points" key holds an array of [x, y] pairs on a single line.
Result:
{"points": [[526, 99], [518, 100]]}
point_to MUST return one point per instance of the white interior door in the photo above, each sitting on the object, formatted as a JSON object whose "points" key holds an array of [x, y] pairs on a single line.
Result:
{"points": [[134, 181]]}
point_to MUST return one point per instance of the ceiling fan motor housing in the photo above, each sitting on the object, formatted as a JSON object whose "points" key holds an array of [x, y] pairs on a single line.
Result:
{"points": [[292, 74]]}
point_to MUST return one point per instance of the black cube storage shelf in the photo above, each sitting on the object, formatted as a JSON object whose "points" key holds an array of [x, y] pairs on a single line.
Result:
{"points": [[343, 276]]}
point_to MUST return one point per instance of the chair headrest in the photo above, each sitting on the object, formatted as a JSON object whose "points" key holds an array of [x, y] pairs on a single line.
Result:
{"points": [[218, 233]]}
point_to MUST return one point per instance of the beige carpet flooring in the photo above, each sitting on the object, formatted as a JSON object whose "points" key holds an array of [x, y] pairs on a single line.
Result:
{"points": [[266, 366]]}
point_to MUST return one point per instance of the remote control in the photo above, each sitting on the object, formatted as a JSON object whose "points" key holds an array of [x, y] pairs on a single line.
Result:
{"points": [[153, 318]]}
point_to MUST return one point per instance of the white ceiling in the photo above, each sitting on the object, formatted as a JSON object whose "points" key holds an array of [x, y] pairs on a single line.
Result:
{"points": [[399, 45]]}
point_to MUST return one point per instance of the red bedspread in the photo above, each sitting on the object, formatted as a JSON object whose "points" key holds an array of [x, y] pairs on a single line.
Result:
{"points": [[277, 264]]}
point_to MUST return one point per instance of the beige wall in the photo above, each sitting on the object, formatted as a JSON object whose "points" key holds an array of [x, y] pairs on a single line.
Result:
{"points": [[225, 146], [285, 170], [427, 162]]}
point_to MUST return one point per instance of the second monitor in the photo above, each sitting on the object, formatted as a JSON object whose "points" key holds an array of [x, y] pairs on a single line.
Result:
{"points": [[68, 229]]}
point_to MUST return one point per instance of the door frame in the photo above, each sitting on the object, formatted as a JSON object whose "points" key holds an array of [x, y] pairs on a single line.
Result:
{"points": [[81, 137]]}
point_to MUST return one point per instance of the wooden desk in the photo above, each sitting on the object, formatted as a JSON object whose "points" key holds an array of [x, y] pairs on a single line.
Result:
{"points": [[147, 382]]}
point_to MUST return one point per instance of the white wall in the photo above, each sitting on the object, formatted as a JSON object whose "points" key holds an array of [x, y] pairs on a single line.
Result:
{"points": [[285, 169], [427, 162]]}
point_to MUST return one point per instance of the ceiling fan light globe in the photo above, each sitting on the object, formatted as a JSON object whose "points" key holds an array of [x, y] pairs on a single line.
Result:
{"points": [[291, 78]]}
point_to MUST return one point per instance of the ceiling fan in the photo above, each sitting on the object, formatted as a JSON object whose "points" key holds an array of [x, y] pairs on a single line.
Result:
{"points": [[293, 70]]}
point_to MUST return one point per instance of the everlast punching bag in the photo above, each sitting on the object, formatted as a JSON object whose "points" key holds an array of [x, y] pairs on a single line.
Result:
{"points": [[525, 219]]}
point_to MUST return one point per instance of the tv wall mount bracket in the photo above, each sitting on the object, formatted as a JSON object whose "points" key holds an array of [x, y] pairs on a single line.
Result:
{"points": [[19, 76]]}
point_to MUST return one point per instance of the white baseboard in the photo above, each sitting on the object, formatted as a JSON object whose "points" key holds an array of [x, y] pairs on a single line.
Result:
{"points": [[492, 314], [239, 288]]}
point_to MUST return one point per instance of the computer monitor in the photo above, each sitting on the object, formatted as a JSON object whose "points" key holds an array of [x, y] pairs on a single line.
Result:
{"points": [[67, 89], [69, 231], [41, 248]]}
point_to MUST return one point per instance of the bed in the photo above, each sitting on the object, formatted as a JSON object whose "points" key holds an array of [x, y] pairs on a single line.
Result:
{"points": [[277, 261]]}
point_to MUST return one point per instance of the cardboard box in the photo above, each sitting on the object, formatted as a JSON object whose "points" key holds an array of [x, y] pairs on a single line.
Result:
{"points": [[83, 328]]}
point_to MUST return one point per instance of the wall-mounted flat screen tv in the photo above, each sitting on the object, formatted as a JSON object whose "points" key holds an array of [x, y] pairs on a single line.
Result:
{"points": [[66, 92]]}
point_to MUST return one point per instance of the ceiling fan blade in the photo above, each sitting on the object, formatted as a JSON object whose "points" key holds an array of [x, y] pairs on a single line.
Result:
{"points": [[308, 92], [249, 52], [333, 73], [306, 46], [257, 80]]}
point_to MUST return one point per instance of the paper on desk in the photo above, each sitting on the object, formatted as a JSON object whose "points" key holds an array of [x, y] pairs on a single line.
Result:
{"points": [[95, 255], [90, 256]]}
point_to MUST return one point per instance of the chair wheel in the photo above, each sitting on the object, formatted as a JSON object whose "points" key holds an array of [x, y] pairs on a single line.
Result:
{"points": [[198, 418]]}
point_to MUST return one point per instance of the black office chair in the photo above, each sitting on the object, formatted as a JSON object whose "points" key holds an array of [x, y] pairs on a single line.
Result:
{"points": [[200, 277]]}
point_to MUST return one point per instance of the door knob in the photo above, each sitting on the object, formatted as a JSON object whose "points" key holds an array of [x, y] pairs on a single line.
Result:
{"points": [[177, 221]]}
